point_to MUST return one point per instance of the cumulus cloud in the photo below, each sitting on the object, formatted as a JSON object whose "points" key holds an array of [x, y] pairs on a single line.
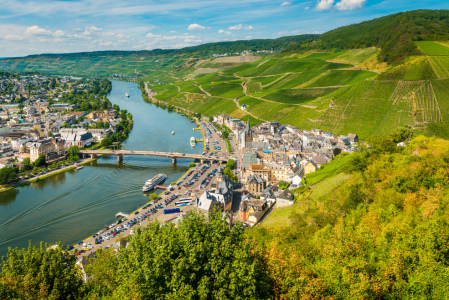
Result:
{"points": [[324, 4], [91, 30], [151, 35], [249, 37], [285, 3], [59, 33], [196, 27], [240, 26], [120, 35], [306, 8], [221, 31], [350, 4], [106, 43], [36, 30], [13, 37]]}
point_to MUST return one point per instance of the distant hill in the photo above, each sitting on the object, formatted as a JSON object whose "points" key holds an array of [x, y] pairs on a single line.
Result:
{"points": [[394, 34]]}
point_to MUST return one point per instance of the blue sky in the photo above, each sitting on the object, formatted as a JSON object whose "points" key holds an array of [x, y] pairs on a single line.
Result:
{"points": [[43, 26]]}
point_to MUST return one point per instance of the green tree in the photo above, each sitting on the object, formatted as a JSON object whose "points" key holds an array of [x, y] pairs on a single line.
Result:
{"points": [[26, 165], [153, 196], [106, 142], [73, 152], [211, 119], [199, 258], [7, 175], [40, 273], [40, 161], [192, 165]]}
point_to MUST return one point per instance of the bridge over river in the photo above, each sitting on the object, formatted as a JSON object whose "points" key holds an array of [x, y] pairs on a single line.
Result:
{"points": [[173, 155]]}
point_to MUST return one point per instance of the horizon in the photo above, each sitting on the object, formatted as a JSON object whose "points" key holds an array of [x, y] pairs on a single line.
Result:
{"points": [[71, 26]]}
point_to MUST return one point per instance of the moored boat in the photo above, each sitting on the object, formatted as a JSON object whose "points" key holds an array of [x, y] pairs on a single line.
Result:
{"points": [[151, 183]]}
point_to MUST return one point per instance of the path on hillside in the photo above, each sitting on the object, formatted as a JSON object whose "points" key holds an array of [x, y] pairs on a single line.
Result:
{"points": [[208, 94]]}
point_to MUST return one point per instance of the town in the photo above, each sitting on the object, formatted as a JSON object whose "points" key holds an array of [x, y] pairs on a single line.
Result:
{"points": [[41, 117]]}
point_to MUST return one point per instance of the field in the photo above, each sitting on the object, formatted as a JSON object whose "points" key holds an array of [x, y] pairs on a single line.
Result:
{"points": [[358, 56], [299, 95], [433, 48], [342, 77], [224, 89]]}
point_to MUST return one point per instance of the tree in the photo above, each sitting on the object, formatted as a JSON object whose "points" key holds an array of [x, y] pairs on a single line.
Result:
{"points": [[153, 196], [40, 273], [73, 152], [225, 134], [53, 83], [49, 133], [26, 165], [7, 175], [40, 161], [24, 148], [211, 119], [199, 258], [192, 165], [106, 142], [402, 134]]}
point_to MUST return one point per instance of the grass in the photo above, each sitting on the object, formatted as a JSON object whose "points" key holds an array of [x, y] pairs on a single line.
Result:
{"points": [[326, 186], [299, 95], [342, 77], [253, 86], [433, 48], [439, 69], [266, 80], [332, 168], [295, 79], [357, 56], [223, 89]]}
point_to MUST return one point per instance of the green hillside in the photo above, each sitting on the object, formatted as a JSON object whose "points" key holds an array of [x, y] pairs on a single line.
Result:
{"points": [[395, 34]]}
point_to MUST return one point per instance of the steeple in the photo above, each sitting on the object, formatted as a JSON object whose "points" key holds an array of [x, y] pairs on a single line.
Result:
{"points": [[248, 128]]}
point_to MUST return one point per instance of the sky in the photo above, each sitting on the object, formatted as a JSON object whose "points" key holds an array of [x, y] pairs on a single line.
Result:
{"points": [[44, 26]]}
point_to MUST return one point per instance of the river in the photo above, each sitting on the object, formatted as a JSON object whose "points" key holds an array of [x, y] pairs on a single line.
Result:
{"points": [[75, 204]]}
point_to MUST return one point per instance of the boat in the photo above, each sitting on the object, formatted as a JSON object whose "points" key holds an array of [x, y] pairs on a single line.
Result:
{"points": [[173, 132], [78, 168], [127, 95], [151, 183], [192, 141]]}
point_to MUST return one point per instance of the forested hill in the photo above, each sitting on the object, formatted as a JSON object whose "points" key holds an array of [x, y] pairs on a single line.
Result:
{"points": [[200, 50], [394, 34]]}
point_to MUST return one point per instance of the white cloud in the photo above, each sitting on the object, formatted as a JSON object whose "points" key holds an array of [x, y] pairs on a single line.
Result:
{"points": [[306, 8], [324, 4], [240, 26], [13, 37], [196, 27], [224, 32], [285, 3], [36, 30], [120, 35], [106, 43], [172, 31], [350, 4], [282, 33], [59, 33], [91, 30], [249, 37], [151, 35], [296, 31]]}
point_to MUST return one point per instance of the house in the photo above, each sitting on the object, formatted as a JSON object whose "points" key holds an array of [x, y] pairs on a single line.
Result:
{"points": [[261, 171], [269, 194], [77, 139], [255, 184], [50, 148], [6, 163], [207, 202], [353, 138], [319, 160], [223, 190], [284, 198], [310, 167], [243, 107], [256, 209]]}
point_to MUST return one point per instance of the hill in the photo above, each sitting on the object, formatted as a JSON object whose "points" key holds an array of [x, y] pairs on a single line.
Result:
{"points": [[370, 225], [395, 34]]}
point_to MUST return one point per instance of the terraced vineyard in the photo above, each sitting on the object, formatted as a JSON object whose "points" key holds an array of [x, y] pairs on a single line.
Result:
{"points": [[340, 92]]}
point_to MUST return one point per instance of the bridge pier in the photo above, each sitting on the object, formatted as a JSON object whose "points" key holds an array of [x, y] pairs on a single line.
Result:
{"points": [[120, 157], [93, 156], [173, 160]]}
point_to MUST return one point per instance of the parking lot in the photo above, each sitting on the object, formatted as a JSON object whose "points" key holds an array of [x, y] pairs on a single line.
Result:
{"points": [[193, 184]]}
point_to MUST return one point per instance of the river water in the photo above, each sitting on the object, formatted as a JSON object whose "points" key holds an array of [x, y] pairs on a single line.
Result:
{"points": [[75, 204]]}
